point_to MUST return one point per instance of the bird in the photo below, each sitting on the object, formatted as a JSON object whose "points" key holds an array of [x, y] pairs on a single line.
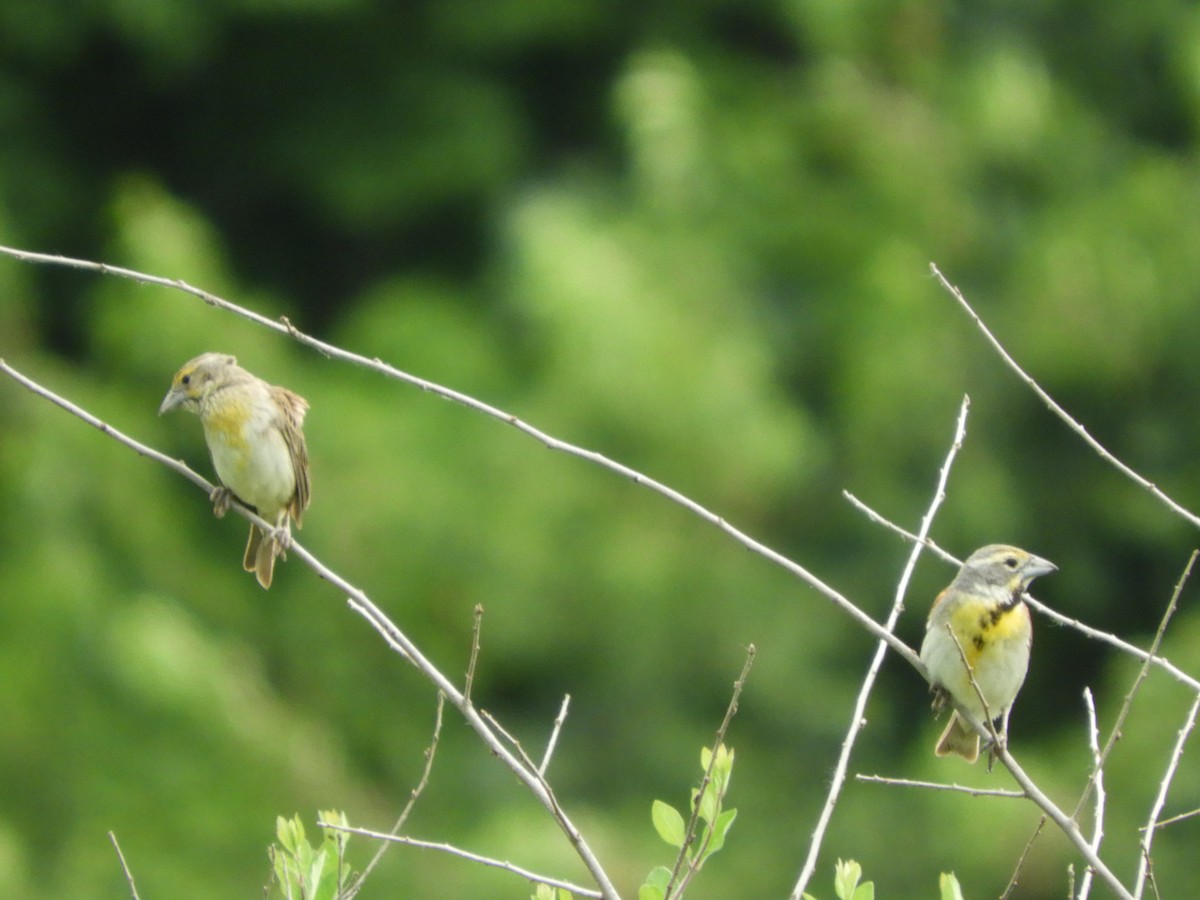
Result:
{"points": [[981, 618], [253, 432]]}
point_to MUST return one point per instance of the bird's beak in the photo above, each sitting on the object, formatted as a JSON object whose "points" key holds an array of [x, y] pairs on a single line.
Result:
{"points": [[173, 399], [1037, 566]]}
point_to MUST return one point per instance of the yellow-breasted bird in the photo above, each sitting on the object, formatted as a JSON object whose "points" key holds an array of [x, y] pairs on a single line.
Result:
{"points": [[990, 622], [253, 430]]}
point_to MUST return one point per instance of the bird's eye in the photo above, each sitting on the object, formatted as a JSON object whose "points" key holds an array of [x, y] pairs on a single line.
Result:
{"points": [[1011, 562], [185, 380]]}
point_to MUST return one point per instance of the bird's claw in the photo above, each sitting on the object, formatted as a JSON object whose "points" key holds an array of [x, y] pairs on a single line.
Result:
{"points": [[281, 540], [941, 698], [221, 498]]}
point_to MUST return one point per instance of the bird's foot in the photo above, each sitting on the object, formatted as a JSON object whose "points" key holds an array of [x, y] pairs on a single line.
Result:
{"points": [[222, 498]]}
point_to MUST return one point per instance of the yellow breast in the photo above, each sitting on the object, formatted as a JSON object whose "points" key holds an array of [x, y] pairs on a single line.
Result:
{"points": [[979, 626]]}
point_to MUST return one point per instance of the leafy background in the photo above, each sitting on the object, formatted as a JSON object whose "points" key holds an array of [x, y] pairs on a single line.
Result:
{"points": [[692, 236]]}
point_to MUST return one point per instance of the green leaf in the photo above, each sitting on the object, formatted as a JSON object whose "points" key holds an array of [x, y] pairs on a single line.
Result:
{"points": [[283, 869], [668, 823], [722, 770], [710, 803], [865, 891], [719, 829], [845, 879], [655, 886], [950, 889], [289, 831], [321, 876]]}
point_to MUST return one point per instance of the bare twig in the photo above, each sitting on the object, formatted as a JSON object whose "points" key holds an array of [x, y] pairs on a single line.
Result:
{"points": [[988, 723], [1145, 862], [857, 717], [677, 883], [554, 732], [472, 857], [1058, 410], [1115, 734], [1093, 732], [476, 628], [1190, 814], [1015, 877], [525, 758], [124, 867], [937, 786], [430, 753]]}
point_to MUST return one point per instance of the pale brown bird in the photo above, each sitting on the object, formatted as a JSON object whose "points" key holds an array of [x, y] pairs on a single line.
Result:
{"points": [[253, 431]]}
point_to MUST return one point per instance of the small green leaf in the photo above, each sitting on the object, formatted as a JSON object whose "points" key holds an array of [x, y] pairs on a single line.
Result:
{"points": [[283, 869], [668, 823], [655, 886], [949, 887], [710, 803], [865, 891], [845, 879], [719, 829], [722, 770], [322, 877], [286, 830]]}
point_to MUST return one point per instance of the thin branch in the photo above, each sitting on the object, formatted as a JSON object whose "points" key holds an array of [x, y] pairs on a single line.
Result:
{"points": [[1014, 878], [1058, 410], [376, 365], [938, 786], [1064, 823], [525, 758], [1122, 714], [124, 867], [554, 732], [1190, 814], [929, 543], [672, 890], [476, 628], [1084, 629], [472, 857], [1093, 732], [858, 716], [1144, 863], [1124, 646], [988, 724], [430, 753], [392, 635]]}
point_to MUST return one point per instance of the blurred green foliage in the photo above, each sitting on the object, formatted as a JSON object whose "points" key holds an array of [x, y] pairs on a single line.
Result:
{"points": [[691, 236]]}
